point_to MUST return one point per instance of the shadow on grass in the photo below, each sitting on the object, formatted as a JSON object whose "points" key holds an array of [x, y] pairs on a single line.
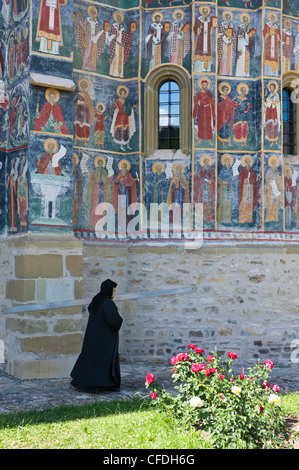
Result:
{"points": [[72, 412]]}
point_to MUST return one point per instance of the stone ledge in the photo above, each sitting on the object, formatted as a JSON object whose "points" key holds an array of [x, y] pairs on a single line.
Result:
{"points": [[44, 369]]}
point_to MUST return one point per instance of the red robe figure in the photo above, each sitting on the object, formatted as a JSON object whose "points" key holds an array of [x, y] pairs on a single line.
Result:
{"points": [[225, 115], [248, 191], [204, 188], [44, 165], [49, 29], [124, 185], [50, 117], [204, 112]]}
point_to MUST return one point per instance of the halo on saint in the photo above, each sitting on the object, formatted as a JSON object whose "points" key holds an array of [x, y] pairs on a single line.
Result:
{"points": [[202, 80], [204, 7], [242, 85], [122, 87], [227, 12], [118, 13], [128, 164], [287, 168], [48, 142], [156, 165], [178, 164], [223, 84], [157, 13], [176, 12], [91, 9], [84, 80], [271, 13], [101, 104], [75, 158], [245, 14], [52, 90], [286, 22], [246, 157], [274, 160], [205, 157], [273, 82], [225, 157], [99, 160]]}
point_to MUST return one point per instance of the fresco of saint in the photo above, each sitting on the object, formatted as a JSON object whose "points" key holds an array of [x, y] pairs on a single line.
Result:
{"points": [[241, 109], [179, 38], [84, 112], [272, 39], [248, 190], [244, 46], [45, 164], [272, 113], [156, 40], [204, 187], [225, 189], [225, 114], [204, 110], [120, 45], [287, 46], [49, 28], [99, 188], [289, 195], [274, 189], [50, 118], [124, 185], [91, 39], [226, 44], [123, 121], [203, 28]]}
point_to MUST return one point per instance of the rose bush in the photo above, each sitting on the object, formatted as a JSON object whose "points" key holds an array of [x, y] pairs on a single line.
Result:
{"points": [[236, 410]]}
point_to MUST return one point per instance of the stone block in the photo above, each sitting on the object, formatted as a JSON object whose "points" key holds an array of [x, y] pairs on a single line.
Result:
{"points": [[74, 264], [52, 345], [25, 326], [51, 266], [27, 266], [44, 369], [20, 290]]}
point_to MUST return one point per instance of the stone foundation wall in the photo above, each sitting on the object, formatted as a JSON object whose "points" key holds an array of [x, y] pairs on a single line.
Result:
{"points": [[40, 270], [246, 299]]}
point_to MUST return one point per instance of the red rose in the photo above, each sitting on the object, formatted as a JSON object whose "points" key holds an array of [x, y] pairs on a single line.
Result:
{"points": [[266, 385], [181, 356], [150, 379], [269, 364], [241, 376], [221, 377], [153, 395], [208, 371], [192, 346], [276, 388], [197, 367], [173, 361], [198, 350], [210, 358], [232, 355]]}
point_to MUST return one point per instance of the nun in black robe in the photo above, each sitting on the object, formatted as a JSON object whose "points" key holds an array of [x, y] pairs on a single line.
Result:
{"points": [[97, 366]]}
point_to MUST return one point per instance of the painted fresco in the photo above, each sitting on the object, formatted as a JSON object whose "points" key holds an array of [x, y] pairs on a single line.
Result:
{"points": [[106, 43], [62, 153]]}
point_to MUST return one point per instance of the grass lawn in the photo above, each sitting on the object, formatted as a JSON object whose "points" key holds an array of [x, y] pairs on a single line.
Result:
{"points": [[132, 424]]}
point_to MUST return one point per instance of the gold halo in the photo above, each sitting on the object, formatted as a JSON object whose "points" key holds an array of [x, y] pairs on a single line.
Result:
{"points": [[122, 87], [154, 167], [92, 8], [222, 84], [243, 85], [227, 12], [287, 21], [204, 6], [157, 13], [176, 164], [52, 90], [124, 161], [225, 156], [49, 141], [178, 11], [298, 28], [84, 80], [245, 14], [287, 167], [245, 157], [204, 79], [76, 158], [99, 159], [273, 158], [102, 104], [118, 13], [25, 30], [270, 14], [205, 157], [273, 82]]}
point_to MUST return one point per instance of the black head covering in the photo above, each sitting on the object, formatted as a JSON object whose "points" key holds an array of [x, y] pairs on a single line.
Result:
{"points": [[105, 293]]}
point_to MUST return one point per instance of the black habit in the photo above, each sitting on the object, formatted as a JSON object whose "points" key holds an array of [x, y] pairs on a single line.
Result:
{"points": [[98, 363]]}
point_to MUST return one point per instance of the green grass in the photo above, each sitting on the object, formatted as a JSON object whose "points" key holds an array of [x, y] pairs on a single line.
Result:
{"points": [[132, 424]]}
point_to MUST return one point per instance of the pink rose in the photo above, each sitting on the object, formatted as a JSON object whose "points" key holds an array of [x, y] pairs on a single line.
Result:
{"points": [[153, 395], [150, 379], [198, 350], [241, 376], [181, 356], [221, 377], [266, 385], [210, 358], [197, 367], [192, 346], [232, 355], [173, 361], [276, 388], [269, 364]]}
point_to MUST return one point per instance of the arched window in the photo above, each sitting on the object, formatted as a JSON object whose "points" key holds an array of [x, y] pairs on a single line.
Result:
{"points": [[289, 123], [169, 115], [167, 110]]}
